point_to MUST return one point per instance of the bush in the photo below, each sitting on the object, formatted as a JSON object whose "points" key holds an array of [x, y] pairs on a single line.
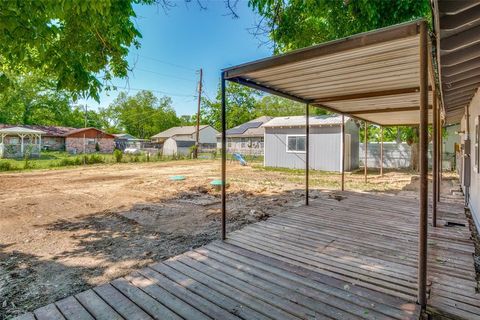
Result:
{"points": [[5, 166], [70, 162], [118, 154], [94, 158]]}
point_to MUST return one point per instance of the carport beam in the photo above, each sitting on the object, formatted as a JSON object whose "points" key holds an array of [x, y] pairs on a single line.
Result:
{"points": [[381, 151], [365, 167], [224, 159], [423, 164], [343, 152], [435, 160], [307, 147]]}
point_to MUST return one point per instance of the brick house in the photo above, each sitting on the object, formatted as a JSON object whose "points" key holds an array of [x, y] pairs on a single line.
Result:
{"points": [[71, 139], [86, 139]]}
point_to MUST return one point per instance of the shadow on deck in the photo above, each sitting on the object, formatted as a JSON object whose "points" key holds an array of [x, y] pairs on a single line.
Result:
{"points": [[352, 256]]}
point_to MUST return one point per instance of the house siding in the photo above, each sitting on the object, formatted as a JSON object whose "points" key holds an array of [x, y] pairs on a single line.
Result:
{"points": [[54, 143], [474, 203], [87, 139], [325, 148], [75, 145]]}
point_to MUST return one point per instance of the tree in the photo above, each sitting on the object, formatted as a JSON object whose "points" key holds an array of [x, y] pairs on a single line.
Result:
{"points": [[142, 115], [276, 106], [241, 103], [30, 99], [300, 23], [79, 44], [188, 120]]}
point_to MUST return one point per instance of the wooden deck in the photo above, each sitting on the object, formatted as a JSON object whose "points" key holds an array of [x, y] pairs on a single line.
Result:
{"points": [[349, 259]]}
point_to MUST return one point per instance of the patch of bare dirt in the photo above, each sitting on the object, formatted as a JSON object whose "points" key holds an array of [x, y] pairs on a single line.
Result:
{"points": [[63, 231]]}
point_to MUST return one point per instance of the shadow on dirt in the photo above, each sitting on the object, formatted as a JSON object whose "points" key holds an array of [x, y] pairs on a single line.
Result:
{"points": [[111, 244]]}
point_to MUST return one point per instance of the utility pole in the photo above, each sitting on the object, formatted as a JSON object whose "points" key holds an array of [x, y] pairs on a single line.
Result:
{"points": [[197, 135]]}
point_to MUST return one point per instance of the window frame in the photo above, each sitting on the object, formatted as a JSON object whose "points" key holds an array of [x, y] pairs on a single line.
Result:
{"points": [[295, 136]]}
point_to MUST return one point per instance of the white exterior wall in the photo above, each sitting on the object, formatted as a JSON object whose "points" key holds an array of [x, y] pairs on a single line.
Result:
{"points": [[325, 148], [474, 203]]}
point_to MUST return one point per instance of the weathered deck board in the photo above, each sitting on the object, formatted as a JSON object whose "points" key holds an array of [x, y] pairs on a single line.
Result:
{"points": [[349, 259]]}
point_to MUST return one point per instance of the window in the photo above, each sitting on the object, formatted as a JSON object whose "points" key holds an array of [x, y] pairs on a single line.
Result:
{"points": [[296, 143]]}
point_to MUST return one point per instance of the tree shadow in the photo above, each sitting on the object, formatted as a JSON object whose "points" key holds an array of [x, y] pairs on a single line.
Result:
{"points": [[111, 244], [28, 281]]}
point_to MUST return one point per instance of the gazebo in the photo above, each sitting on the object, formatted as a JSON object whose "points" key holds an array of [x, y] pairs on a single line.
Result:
{"points": [[16, 141]]}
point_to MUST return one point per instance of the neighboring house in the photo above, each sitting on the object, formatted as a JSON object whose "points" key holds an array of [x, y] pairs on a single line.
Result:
{"points": [[285, 143], [178, 146], [53, 138], [126, 140], [246, 138], [86, 140], [207, 136], [66, 138], [17, 142]]}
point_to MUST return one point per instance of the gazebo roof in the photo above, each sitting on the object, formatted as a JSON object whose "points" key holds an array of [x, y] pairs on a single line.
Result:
{"points": [[20, 130], [373, 76]]}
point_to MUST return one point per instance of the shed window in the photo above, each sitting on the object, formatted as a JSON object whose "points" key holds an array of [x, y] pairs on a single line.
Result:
{"points": [[296, 143]]}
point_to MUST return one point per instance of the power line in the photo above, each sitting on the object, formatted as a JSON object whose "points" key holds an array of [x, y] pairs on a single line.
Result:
{"points": [[163, 74], [158, 91], [168, 63]]}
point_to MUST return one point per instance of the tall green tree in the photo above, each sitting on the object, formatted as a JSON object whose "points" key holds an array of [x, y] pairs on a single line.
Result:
{"points": [[142, 115], [300, 23], [79, 44], [30, 99], [241, 103]]}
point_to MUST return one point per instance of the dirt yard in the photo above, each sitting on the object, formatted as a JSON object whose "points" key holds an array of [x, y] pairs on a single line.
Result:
{"points": [[63, 231]]}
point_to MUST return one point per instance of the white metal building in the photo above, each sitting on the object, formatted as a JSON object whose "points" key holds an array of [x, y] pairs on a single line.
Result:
{"points": [[285, 143]]}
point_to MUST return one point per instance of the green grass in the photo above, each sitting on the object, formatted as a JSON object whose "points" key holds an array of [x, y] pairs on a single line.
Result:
{"points": [[57, 159]]}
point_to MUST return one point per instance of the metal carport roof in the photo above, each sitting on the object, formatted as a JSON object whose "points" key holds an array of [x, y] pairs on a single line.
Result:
{"points": [[457, 29], [372, 76]]}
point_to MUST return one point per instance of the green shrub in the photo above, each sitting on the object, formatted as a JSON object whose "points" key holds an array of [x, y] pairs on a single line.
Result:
{"points": [[118, 154], [71, 161], [94, 158], [5, 166]]}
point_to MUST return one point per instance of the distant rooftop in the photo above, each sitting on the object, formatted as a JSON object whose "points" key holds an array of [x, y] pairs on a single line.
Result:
{"points": [[183, 130], [51, 131], [20, 130], [299, 121], [251, 128]]}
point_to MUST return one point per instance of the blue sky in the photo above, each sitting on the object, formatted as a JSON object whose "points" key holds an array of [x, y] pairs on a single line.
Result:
{"points": [[177, 43]]}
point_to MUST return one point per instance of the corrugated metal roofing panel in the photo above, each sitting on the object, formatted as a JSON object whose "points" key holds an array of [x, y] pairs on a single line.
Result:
{"points": [[299, 121], [458, 28], [381, 68]]}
